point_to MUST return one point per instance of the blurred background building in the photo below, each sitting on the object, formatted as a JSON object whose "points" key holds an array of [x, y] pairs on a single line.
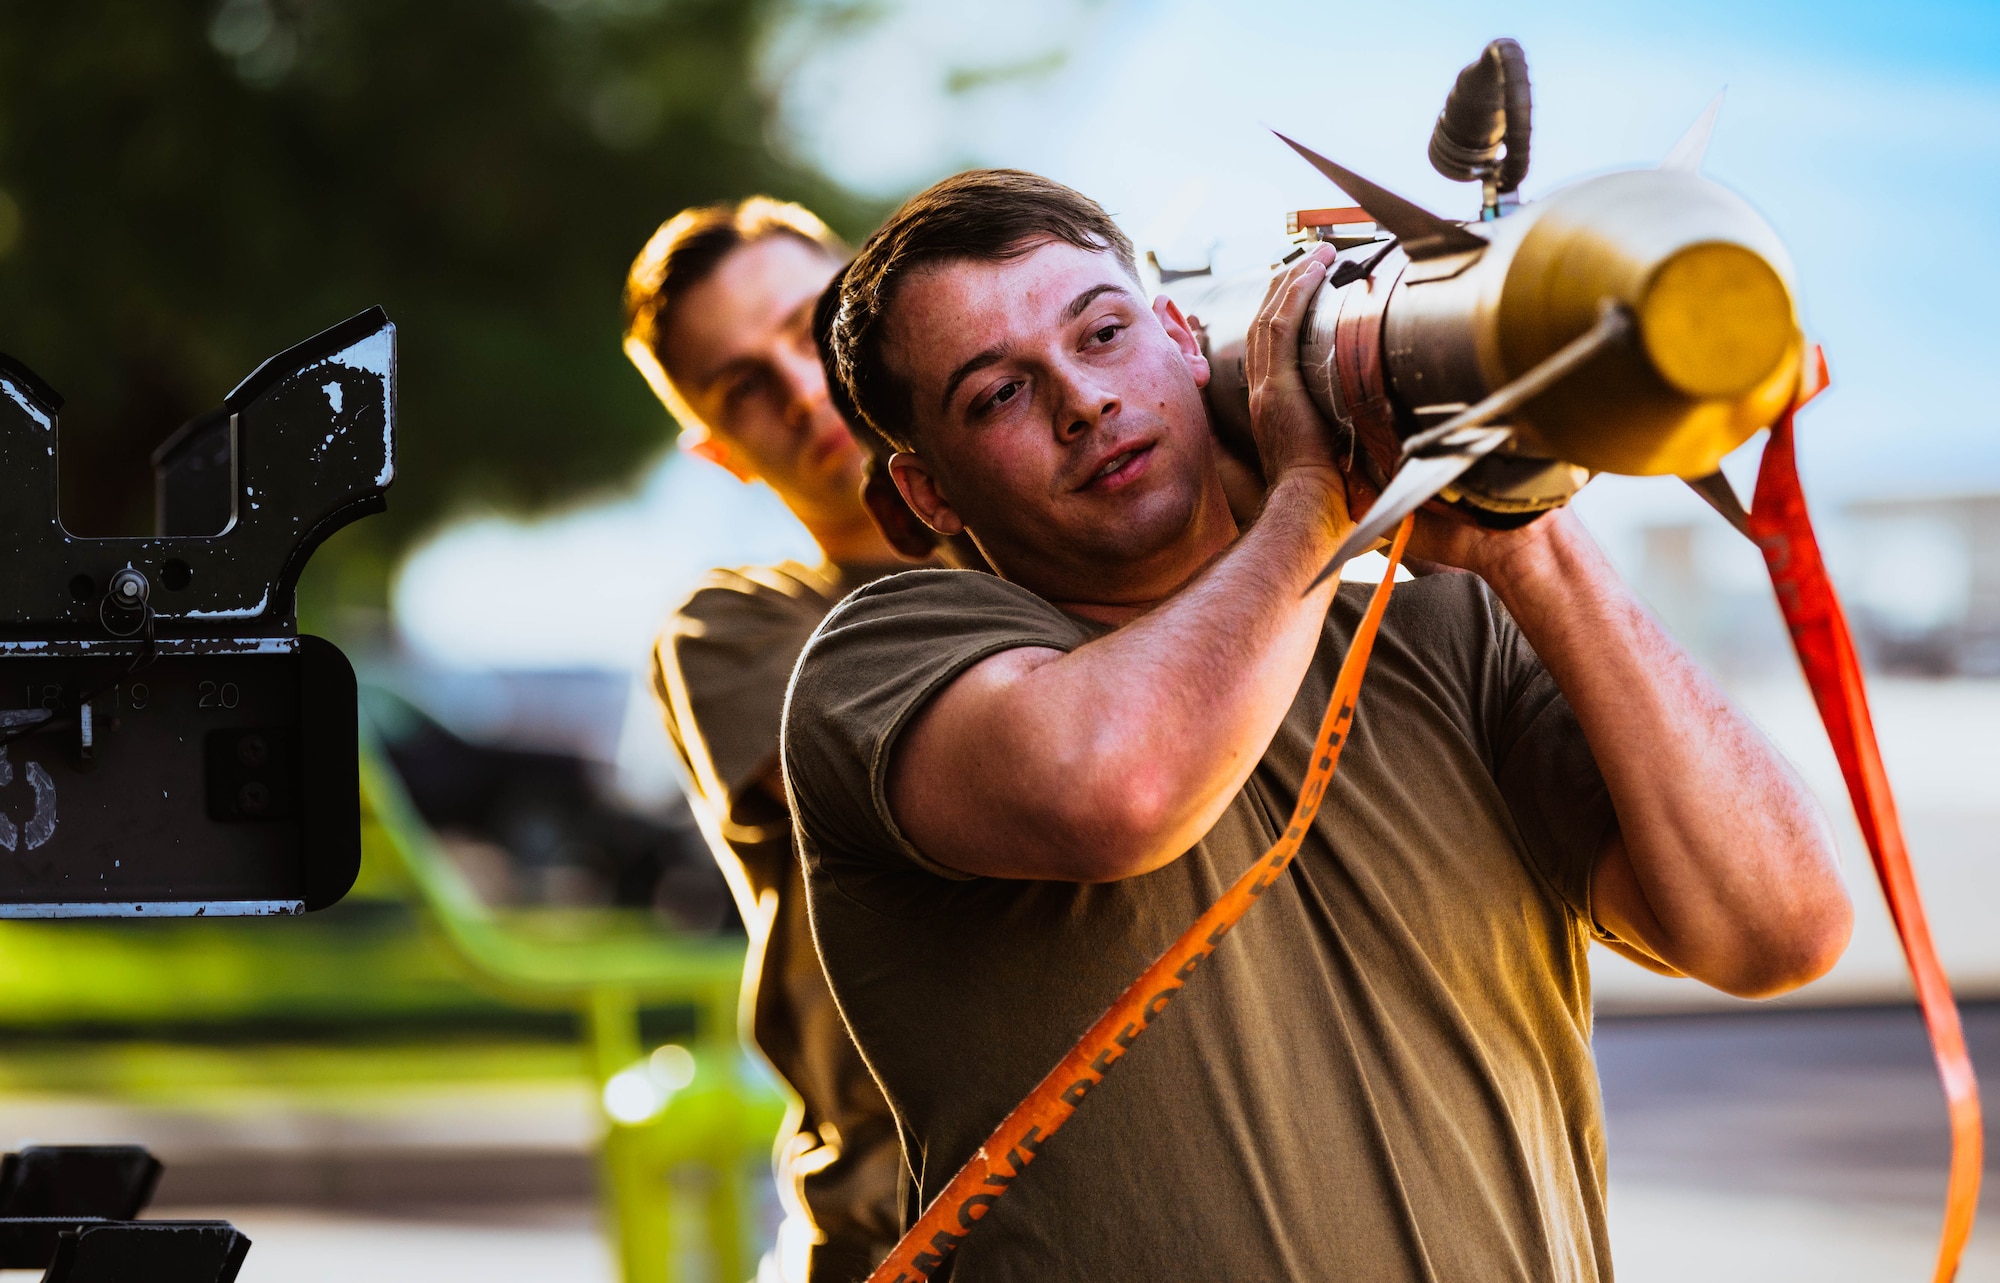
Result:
{"points": [[189, 185]]}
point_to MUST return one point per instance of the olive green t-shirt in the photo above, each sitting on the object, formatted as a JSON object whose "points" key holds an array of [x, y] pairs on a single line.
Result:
{"points": [[1385, 1071], [720, 672]]}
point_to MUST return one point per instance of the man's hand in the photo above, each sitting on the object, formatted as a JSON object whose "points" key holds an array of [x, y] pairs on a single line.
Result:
{"points": [[1288, 427], [1447, 540], [1443, 540], [1722, 867]]}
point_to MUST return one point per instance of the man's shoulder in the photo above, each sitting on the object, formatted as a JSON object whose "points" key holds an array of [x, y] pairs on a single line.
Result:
{"points": [[937, 609], [1440, 613], [945, 590], [894, 643], [720, 666], [878, 658], [732, 641], [753, 596]]}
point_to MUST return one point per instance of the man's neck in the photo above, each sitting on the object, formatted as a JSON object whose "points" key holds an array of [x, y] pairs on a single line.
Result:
{"points": [[1126, 608], [853, 541], [1142, 587]]}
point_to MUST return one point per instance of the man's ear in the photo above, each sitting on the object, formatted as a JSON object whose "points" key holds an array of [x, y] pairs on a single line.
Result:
{"points": [[910, 537], [705, 445], [1182, 334], [921, 491]]}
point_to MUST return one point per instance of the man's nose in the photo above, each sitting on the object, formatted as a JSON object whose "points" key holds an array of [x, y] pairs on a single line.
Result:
{"points": [[1082, 406], [804, 386]]}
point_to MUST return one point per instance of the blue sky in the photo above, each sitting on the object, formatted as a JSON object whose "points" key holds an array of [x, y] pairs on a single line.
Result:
{"points": [[1953, 39], [1869, 135]]}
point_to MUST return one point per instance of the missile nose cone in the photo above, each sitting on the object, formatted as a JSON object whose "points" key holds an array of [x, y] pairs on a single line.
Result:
{"points": [[1708, 284], [1716, 319]]}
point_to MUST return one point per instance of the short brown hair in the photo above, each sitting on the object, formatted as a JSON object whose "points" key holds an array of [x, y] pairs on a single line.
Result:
{"points": [[682, 254], [989, 215]]}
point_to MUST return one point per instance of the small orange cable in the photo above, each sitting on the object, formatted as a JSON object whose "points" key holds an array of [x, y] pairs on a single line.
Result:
{"points": [[1015, 1142]]}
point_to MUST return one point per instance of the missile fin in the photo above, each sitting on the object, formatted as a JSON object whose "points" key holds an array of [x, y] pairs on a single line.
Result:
{"points": [[1689, 152], [1414, 484], [1721, 496], [1421, 233]]}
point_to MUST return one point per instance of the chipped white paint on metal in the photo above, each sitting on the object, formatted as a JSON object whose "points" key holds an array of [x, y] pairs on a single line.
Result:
{"points": [[41, 826], [14, 393], [156, 909], [243, 613], [163, 646], [376, 355]]}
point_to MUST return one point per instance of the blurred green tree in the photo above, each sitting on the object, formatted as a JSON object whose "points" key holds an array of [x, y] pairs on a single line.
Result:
{"points": [[187, 186]]}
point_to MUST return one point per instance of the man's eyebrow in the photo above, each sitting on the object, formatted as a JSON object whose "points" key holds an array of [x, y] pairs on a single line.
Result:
{"points": [[727, 370], [1089, 296], [742, 361], [992, 355]]}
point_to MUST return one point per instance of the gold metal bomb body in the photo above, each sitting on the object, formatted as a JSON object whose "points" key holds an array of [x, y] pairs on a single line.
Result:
{"points": [[1709, 288], [1712, 356]]}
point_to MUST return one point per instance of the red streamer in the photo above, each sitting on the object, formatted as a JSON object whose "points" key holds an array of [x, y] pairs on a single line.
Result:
{"points": [[1783, 530]]}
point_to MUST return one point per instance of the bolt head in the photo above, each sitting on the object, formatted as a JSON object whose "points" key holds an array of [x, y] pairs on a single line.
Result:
{"points": [[254, 798]]}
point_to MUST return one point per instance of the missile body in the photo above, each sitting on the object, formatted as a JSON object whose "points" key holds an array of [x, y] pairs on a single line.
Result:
{"points": [[1455, 313]]}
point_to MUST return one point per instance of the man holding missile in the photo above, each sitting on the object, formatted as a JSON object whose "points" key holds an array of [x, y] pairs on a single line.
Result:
{"points": [[719, 308], [1014, 790]]}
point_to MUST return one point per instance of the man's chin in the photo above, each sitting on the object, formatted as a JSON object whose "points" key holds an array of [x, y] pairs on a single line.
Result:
{"points": [[1138, 530]]}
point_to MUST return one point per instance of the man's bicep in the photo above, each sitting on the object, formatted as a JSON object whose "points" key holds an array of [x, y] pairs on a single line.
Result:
{"points": [[961, 775]]}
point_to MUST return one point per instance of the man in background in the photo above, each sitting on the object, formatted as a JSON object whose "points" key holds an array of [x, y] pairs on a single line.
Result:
{"points": [[719, 317]]}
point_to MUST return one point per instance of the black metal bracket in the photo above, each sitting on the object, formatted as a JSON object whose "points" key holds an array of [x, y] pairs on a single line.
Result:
{"points": [[311, 447], [169, 744], [69, 1210]]}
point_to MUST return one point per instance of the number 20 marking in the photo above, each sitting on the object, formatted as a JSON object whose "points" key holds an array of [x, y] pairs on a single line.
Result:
{"points": [[213, 696]]}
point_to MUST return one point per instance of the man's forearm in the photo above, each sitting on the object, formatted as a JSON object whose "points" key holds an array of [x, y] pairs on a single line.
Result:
{"points": [[1111, 760], [1723, 867]]}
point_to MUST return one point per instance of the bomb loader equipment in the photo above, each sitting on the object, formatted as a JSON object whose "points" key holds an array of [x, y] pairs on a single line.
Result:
{"points": [[1641, 323], [245, 493], [71, 1211], [186, 752]]}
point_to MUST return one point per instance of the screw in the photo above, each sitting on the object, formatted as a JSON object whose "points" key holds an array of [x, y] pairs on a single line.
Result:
{"points": [[129, 589], [253, 798]]}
